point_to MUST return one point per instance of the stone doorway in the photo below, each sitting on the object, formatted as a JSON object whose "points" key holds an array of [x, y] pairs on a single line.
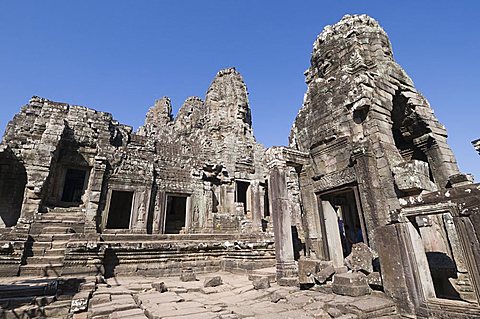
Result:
{"points": [[120, 211], [74, 185], [176, 213], [342, 223], [13, 179], [439, 256], [242, 194]]}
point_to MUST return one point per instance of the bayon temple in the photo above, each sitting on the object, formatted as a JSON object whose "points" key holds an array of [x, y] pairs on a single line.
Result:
{"points": [[367, 198]]}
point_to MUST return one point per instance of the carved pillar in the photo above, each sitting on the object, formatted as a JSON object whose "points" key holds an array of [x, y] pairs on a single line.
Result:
{"points": [[94, 195], [256, 205], [279, 208], [384, 237], [371, 192], [207, 207], [141, 203]]}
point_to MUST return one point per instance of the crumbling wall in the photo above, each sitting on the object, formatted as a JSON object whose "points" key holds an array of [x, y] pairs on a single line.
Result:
{"points": [[370, 133]]}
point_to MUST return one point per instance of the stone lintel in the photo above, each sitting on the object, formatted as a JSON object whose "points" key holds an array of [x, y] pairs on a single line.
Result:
{"points": [[285, 156]]}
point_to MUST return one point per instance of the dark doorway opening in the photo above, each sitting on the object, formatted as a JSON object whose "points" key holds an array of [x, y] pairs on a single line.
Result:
{"points": [[74, 185], [350, 226], [446, 262], [176, 214], [120, 210], [241, 194], [266, 203], [13, 179]]}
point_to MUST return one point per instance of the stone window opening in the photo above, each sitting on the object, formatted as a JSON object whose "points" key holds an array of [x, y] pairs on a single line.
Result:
{"points": [[120, 210], [342, 223], [176, 214]]}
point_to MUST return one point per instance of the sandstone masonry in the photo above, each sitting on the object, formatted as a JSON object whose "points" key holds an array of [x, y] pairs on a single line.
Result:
{"points": [[367, 195]]}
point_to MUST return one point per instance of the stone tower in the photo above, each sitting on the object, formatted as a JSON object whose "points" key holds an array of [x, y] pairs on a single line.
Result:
{"points": [[365, 146]]}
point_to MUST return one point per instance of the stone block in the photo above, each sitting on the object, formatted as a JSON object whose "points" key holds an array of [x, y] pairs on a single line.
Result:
{"points": [[160, 286], [360, 259], [374, 279], [321, 314], [306, 269], [350, 284], [325, 274], [212, 281], [188, 275], [80, 301], [413, 177], [288, 281], [261, 283], [314, 270], [278, 295], [334, 312]]}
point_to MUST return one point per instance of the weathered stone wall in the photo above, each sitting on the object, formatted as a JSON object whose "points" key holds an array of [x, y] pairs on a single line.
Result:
{"points": [[66, 162], [373, 140]]}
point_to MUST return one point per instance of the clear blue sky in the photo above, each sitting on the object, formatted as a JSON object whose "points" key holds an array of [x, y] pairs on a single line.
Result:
{"points": [[119, 56]]}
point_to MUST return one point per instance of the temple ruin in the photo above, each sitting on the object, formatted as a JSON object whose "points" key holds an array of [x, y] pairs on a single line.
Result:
{"points": [[366, 197]]}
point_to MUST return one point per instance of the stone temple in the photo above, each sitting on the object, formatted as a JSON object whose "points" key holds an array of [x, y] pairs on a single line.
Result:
{"points": [[365, 214]]}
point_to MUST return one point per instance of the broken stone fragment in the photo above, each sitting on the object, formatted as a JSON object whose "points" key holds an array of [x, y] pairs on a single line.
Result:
{"points": [[212, 281], [188, 275], [261, 283], [80, 301], [278, 295], [325, 274], [350, 284], [413, 177], [160, 287], [306, 270], [314, 270], [321, 314], [360, 259], [334, 312], [374, 279]]}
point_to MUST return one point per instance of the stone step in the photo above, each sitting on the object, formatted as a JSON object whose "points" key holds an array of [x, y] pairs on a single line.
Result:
{"points": [[41, 245], [67, 220], [47, 249], [59, 309], [271, 273], [42, 250], [50, 237], [42, 270], [55, 252], [58, 259], [57, 230], [27, 288], [58, 244], [37, 251]]}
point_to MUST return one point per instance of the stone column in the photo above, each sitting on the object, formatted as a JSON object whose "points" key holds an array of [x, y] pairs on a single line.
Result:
{"points": [[256, 205], [279, 210], [97, 174], [141, 205]]}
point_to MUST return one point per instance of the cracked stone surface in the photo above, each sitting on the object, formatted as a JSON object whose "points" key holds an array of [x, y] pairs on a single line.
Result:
{"points": [[235, 298]]}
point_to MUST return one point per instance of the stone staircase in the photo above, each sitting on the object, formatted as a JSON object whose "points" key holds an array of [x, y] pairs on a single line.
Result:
{"points": [[49, 236], [38, 297]]}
